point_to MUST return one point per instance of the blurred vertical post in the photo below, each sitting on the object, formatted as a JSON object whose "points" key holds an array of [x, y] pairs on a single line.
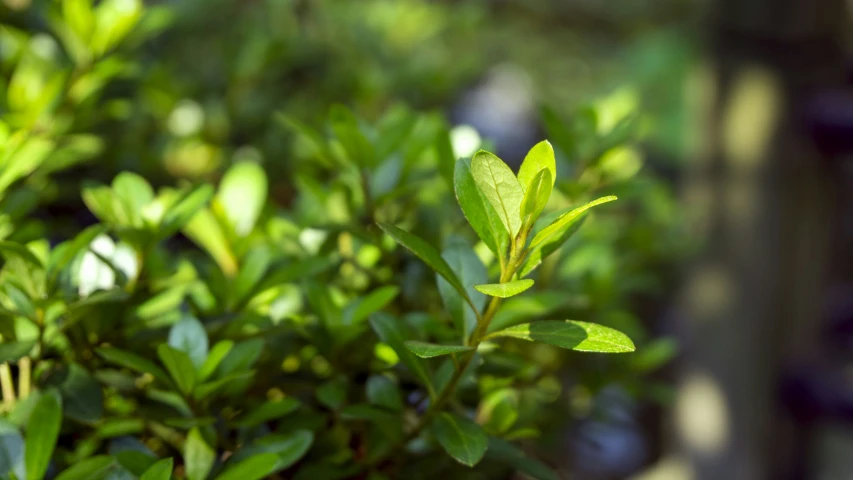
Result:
{"points": [[760, 197]]}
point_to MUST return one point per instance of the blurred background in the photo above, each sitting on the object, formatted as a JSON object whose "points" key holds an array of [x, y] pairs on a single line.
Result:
{"points": [[725, 126]]}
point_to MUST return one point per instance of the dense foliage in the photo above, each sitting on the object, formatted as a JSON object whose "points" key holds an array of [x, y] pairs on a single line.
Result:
{"points": [[177, 300]]}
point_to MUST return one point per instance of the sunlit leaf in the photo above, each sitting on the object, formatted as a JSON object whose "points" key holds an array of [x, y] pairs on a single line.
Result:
{"points": [[571, 334], [505, 290]]}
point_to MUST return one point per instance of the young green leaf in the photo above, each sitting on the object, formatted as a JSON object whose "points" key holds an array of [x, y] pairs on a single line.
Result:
{"points": [[242, 194], [480, 213], [180, 367], [133, 362], [571, 334], [550, 238], [11, 250], [535, 198], [198, 456], [505, 290], [42, 433], [429, 350], [206, 232], [180, 212], [505, 452], [428, 254], [92, 468], [252, 468], [498, 185], [461, 438], [540, 157], [162, 470]]}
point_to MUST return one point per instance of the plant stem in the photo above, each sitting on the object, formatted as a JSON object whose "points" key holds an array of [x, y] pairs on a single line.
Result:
{"points": [[24, 374], [7, 387]]}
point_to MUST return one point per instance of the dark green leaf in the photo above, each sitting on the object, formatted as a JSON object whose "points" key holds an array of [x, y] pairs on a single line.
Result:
{"points": [[382, 391], [93, 468], [429, 350], [13, 351], [500, 187], [270, 410], [133, 362], [506, 453], [461, 438], [242, 195], [428, 254], [505, 290], [82, 397], [42, 433], [571, 334], [162, 470], [179, 366]]}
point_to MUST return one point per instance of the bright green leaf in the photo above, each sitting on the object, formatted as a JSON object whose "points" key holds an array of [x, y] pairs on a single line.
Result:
{"points": [[480, 213], [461, 438], [242, 194], [198, 456], [180, 367], [42, 433], [505, 290], [500, 187], [540, 157], [429, 350], [162, 470], [535, 198], [214, 358], [571, 334]]}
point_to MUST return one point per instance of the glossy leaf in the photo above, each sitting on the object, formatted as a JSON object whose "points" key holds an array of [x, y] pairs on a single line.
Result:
{"points": [[429, 350], [540, 157], [42, 433], [505, 290], [500, 187], [180, 367], [93, 468], [198, 456], [571, 334], [428, 254], [478, 211], [242, 195], [162, 470], [461, 438], [535, 198]]}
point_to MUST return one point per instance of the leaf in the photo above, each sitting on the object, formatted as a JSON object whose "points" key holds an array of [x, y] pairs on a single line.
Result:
{"points": [[13, 351], [498, 411], [133, 193], [388, 329], [535, 198], [498, 185], [198, 456], [505, 290], [270, 410], [180, 212], [333, 393], [554, 235], [42, 433], [288, 447], [478, 211], [254, 266], [162, 470], [506, 453], [93, 468], [190, 337], [373, 302], [382, 391], [82, 396], [10, 250], [205, 231], [428, 254], [571, 334], [242, 194], [429, 350], [562, 223], [214, 358], [461, 438], [133, 362], [540, 157], [470, 270], [346, 129], [12, 448], [61, 256], [180, 367], [253, 468]]}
